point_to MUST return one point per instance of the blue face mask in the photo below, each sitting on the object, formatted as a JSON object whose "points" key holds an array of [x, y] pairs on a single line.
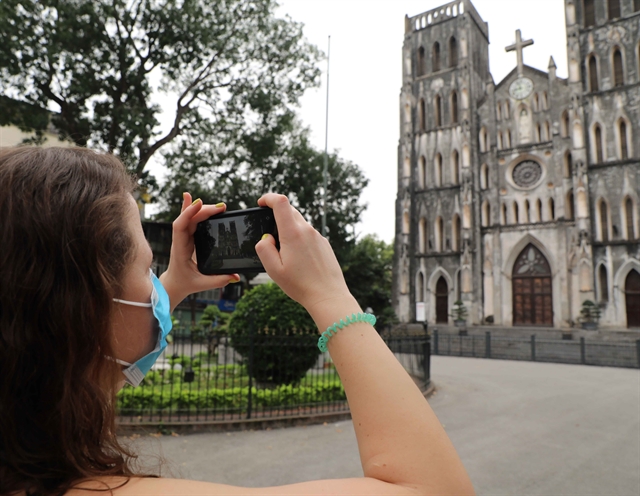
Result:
{"points": [[135, 372]]}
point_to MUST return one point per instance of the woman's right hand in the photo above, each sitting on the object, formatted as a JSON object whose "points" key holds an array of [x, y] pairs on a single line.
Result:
{"points": [[305, 267]]}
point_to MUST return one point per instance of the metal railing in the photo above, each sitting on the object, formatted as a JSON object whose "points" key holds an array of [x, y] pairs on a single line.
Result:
{"points": [[609, 354], [208, 381]]}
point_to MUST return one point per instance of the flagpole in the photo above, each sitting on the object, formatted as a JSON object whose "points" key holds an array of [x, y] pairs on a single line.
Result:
{"points": [[325, 171]]}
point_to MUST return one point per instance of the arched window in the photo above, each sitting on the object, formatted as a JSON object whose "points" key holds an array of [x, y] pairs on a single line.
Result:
{"points": [[422, 235], [484, 140], [456, 233], [569, 210], [454, 107], [405, 222], [527, 212], [453, 52], [597, 134], [420, 288], [603, 212], [439, 234], [603, 282], [516, 213], [624, 147], [423, 172], [545, 100], [507, 110], [435, 58], [455, 167], [547, 131], [536, 102], [486, 214], [438, 111], [498, 111], [507, 141], [589, 13], [564, 124], [538, 133], [539, 210], [499, 140], [423, 115], [407, 168], [503, 214], [593, 73], [568, 164], [614, 9], [618, 69], [484, 176], [438, 169], [628, 217], [552, 209], [422, 63]]}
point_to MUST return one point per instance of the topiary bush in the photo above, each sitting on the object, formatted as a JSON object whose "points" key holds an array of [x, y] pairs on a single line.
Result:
{"points": [[284, 335]]}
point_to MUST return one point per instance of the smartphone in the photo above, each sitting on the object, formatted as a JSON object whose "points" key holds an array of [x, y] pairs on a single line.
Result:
{"points": [[225, 243]]}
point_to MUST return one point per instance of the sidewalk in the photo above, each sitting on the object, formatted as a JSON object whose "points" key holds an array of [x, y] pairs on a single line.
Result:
{"points": [[521, 428]]}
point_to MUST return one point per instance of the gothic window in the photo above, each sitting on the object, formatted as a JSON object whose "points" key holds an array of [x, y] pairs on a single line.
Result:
{"points": [[564, 124], [435, 60], [614, 9], [603, 213], [547, 131], [484, 176], [618, 69], [503, 214], [603, 283], [498, 111], [484, 140], [507, 109], [454, 107], [455, 167], [599, 151], [593, 73], [552, 209], [527, 212], [420, 289], [628, 217], [545, 100], [438, 111], [516, 213], [499, 140], [453, 52], [438, 170], [423, 115], [569, 213], [405, 222], [624, 145], [439, 234], [423, 172], [407, 167], [486, 214], [539, 210], [536, 102], [538, 133], [456, 232], [507, 141], [422, 63], [422, 235], [568, 164], [589, 13]]}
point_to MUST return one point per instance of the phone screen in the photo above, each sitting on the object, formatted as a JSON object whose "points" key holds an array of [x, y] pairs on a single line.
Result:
{"points": [[225, 243]]}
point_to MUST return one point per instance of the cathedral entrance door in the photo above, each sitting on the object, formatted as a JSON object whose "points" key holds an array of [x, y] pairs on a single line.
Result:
{"points": [[632, 291], [442, 301], [532, 294]]}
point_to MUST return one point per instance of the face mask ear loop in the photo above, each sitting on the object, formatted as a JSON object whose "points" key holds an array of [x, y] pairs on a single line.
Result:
{"points": [[134, 303]]}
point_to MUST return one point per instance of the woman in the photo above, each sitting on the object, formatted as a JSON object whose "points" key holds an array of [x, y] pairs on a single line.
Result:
{"points": [[80, 314]]}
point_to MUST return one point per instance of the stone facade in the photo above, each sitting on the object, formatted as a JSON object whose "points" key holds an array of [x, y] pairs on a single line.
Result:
{"points": [[536, 169]]}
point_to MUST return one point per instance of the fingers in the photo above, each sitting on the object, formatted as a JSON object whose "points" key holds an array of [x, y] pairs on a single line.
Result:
{"points": [[281, 208], [268, 254]]}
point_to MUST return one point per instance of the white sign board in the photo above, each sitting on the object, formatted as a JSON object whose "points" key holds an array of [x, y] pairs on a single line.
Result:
{"points": [[420, 317]]}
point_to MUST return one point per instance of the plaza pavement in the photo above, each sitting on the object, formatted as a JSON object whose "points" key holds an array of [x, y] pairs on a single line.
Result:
{"points": [[521, 428]]}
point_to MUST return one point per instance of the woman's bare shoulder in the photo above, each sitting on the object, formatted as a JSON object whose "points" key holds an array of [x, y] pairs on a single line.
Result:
{"points": [[168, 487]]}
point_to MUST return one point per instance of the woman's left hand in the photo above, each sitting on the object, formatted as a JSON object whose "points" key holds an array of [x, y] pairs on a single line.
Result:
{"points": [[182, 277]]}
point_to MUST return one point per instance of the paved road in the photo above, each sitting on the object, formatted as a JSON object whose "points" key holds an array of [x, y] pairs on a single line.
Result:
{"points": [[521, 428]]}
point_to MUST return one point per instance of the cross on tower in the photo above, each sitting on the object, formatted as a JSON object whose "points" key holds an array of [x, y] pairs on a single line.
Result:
{"points": [[518, 47]]}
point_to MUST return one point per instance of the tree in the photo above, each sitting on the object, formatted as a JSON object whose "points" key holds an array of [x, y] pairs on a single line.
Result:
{"points": [[103, 65], [238, 166], [367, 271]]}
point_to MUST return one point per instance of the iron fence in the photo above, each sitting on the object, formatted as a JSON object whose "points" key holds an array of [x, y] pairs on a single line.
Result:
{"points": [[264, 377], [618, 354]]}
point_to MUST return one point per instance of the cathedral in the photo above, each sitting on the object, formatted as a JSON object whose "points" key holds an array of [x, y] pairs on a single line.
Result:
{"points": [[519, 198]]}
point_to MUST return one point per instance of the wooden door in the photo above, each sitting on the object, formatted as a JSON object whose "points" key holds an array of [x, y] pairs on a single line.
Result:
{"points": [[632, 296], [532, 291], [442, 301]]}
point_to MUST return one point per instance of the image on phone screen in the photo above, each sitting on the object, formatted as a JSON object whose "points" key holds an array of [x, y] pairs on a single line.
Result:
{"points": [[225, 243]]}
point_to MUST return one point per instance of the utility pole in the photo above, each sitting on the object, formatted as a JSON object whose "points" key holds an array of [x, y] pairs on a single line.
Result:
{"points": [[325, 171]]}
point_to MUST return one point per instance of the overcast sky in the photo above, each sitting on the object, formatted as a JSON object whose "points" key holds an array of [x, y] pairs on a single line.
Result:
{"points": [[366, 77]]}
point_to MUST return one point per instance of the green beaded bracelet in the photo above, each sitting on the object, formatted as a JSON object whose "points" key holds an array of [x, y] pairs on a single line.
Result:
{"points": [[355, 317]]}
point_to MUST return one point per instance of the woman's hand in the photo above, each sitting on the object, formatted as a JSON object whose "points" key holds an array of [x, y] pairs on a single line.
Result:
{"points": [[182, 277], [305, 267]]}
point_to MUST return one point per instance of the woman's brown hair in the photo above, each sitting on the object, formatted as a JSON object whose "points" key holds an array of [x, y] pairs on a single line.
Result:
{"points": [[64, 247]]}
